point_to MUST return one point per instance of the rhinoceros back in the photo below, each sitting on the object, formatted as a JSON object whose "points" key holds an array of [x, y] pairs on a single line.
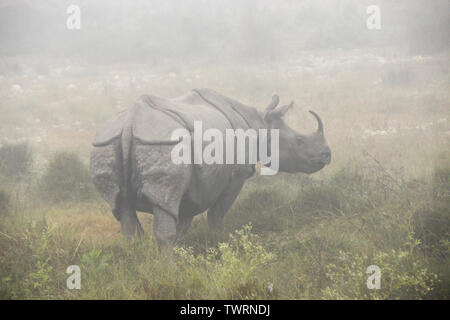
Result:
{"points": [[151, 122], [154, 119]]}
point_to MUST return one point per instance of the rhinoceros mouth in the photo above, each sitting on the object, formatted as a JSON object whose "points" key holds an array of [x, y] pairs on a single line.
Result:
{"points": [[326, 161], [321, 161]]}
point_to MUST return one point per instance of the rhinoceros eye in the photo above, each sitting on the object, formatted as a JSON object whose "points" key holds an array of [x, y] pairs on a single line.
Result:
{"points": [[299, 139]]}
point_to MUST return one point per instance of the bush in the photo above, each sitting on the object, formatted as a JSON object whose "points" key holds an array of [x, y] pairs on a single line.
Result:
{"points": [[66, 178], [403, 275], [286, 204], [5, 202], [15, 160], [235, 267], [441, 184], [432, 221]]}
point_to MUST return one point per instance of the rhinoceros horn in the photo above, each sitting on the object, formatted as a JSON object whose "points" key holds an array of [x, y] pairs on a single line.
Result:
{"points": [[319, 121]]}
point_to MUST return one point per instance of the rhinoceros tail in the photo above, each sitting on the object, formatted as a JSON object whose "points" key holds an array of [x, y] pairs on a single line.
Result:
{"points": [[126, 141], [110, 165], [127, 198]]}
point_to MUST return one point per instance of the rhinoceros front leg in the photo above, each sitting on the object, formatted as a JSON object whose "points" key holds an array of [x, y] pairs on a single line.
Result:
{"points": [[217, 212], [164, 227]]}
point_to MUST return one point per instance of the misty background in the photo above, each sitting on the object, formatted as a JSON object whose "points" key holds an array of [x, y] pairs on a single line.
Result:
{"points": [[60, 84], [200, 31], [383, 96]]}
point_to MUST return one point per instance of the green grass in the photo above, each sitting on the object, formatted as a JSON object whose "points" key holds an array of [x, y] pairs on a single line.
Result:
{"points": [[315, 242], [382, 201]]}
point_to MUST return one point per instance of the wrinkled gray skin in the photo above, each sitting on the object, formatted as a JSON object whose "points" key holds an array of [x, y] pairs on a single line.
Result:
{"points": [[132, 169]]}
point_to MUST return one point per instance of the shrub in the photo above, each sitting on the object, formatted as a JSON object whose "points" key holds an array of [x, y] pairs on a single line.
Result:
{"points": [[286, 204], [403, 275], [5, 202], [432, 222], [15, 160], [29, 260], [232, 267], [441, 184], [65, 178]]}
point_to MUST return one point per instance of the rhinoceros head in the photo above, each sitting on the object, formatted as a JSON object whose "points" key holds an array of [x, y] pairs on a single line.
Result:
{"points": [[297, 152]]}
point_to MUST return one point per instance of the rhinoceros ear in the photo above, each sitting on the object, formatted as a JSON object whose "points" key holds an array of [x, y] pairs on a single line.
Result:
{"points": [[278, 112], [273, 104]]}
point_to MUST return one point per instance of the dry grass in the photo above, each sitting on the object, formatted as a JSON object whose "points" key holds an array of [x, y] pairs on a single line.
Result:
{"points": [[386, 122]]}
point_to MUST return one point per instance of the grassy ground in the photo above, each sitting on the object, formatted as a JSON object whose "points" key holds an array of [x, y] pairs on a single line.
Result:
{"points": [[383, 201]]}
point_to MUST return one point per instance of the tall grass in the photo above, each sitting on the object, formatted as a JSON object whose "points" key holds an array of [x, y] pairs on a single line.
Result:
{"points": [[300, 245], [383, 200]]}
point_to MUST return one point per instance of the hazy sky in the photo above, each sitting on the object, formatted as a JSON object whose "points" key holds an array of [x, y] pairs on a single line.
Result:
{"points": [[201, 29]]}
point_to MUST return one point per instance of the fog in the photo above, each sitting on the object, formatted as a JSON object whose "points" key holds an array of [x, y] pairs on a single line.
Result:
{"points": [[375, 71], [214, 31]]}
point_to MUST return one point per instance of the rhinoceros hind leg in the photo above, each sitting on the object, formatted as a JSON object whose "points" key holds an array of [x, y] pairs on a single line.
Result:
{"points": [[140, 230], [162, 185], [187, 211], [129, 224], [129, 220]]}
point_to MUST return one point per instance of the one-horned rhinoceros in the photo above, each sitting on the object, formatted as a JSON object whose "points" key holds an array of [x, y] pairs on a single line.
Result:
{"points": [[132, 167]]}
